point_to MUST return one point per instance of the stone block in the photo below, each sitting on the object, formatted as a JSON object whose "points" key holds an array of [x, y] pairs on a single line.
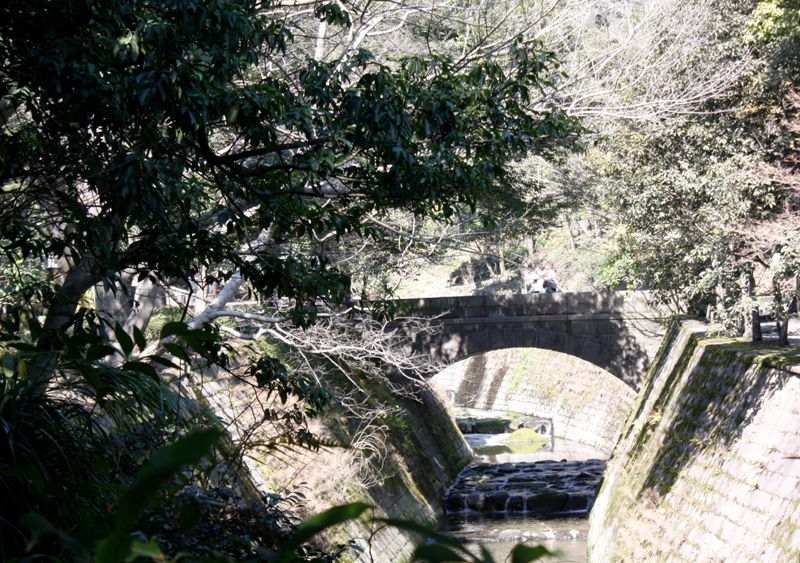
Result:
{"points": [[497, 340], [493, 311], [582, 303], [551, 340], [490, 426], [584, 328], [556, 323], [476, 501], [579, 501], [516, 503], [496, 502], [471, 312], [609, 302], [531, 307], [547, 503], [470, 301], [444, 313], [478, 342], [516, 337], [455, 502], [553, 304]]}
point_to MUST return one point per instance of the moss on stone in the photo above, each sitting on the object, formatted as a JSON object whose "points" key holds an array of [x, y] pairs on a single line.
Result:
{"points": [[702, 409], [524, 435]]}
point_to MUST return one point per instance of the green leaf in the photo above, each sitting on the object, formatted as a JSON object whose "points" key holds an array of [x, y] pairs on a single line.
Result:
{"points": [[39, 527], [162, 361], [178, 352], [199, 334], [113, 549], [141, 367], [97, 351], [318, 523], [35, 328], [172, 328], [82, 339], [189, 516], [149, 549], [124, 340], [194, 344], [162, 467], [141, 341], [167, 461], [523, 553], [486, 557]]}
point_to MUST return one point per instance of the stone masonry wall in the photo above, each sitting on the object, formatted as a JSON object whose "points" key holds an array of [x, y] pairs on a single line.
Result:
{"points": [[708, 467], [422, 475], [412, 479], [587, 404]]}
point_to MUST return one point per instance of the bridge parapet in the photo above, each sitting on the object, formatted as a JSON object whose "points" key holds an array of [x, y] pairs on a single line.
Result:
{"points": [[532, 304]]}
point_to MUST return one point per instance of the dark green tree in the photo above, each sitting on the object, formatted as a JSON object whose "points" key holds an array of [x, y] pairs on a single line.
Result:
{"points": [[163, 140], [160, 137]]}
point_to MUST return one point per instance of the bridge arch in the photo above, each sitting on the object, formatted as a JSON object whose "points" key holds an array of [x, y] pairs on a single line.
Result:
{"points": [[617, 331], [585, 403]]}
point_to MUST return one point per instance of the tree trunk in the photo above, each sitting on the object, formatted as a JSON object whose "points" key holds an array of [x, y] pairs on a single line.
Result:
{"points": [[78, 279], [782, 325], [568, 228], [529, 248], [319, 48], [598, 232], [722, 297], [752, 319]]}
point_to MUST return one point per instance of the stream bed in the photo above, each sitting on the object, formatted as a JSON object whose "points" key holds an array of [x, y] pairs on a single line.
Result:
{"points": [[499, 534], [539, 494]]}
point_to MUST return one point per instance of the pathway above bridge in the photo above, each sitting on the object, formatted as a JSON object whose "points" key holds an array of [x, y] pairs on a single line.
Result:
{"points": [[617, 331]]}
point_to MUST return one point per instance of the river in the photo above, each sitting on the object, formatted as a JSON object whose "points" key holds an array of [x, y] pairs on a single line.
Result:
{"points": [[499, 533]]}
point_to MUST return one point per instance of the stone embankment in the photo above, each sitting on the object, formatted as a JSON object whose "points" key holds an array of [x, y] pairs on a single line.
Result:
{"points": [[538, 488], [708, 467], [410, 483], [585, 403]]}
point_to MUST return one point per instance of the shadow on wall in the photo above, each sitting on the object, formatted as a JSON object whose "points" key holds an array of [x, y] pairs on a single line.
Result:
{"points": [[625, 354], [718, 401], [587, 404], [658, 363], [607, 343]]}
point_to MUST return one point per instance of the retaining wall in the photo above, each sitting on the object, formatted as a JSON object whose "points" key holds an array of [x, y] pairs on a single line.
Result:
{"points": [[587, 404], [424, 454], [708, 467]]}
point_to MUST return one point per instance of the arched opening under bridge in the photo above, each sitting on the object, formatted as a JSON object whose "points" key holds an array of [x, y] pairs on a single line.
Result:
{"points": [[585, 403]]}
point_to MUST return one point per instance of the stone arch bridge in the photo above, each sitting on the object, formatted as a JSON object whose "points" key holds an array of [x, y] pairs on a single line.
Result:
{"points": [[617, 331]]}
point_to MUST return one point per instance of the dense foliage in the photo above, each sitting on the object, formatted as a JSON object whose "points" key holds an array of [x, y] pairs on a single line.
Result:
{"points": [[291, 158], [173, 145]]}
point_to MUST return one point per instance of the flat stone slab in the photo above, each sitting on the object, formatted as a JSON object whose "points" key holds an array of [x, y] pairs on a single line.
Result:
{"points": [[541, 487]]}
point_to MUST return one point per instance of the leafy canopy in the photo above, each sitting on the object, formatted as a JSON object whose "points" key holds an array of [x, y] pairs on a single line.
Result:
{"points": [[163, 136]]}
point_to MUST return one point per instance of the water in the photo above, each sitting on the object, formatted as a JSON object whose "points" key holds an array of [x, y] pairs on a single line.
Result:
{"points": [[500, 533], [485, 445]]}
